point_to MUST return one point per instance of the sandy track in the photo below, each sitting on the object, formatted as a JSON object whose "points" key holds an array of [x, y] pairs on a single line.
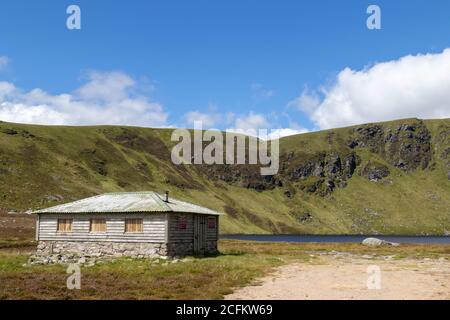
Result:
{"points": [[345, 277]]}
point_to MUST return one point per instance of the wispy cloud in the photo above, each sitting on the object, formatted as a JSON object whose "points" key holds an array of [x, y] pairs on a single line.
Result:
{"points": [[260, 92], [209, 118], [4, 61]]}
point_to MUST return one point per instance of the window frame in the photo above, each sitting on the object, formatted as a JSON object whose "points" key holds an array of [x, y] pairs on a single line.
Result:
{"points": [[212, 223], [97, 219], [182, 222], [59, 223], [127, 220]]}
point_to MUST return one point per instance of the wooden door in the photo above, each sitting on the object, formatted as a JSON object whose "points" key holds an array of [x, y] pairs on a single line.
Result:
{"points": [[199, 234]]}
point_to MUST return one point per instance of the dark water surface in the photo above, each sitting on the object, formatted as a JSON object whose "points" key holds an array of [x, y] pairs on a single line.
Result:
{"points": [[350, 239]]}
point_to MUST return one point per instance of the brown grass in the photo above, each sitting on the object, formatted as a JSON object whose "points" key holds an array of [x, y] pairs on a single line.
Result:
{"points": [[240, 263], [16, 230], [283, 248]]}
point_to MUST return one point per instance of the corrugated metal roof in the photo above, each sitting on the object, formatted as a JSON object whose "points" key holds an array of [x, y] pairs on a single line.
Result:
{"points": [[128, 202]]}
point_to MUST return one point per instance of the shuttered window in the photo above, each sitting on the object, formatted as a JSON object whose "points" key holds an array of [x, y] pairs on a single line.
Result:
{"points": [[98, 225], [182, 223], [64, 225], [211, 223], [134, 225]]}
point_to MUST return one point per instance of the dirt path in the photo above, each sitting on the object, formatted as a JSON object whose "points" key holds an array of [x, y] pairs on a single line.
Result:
{"points": [[345, 277]]}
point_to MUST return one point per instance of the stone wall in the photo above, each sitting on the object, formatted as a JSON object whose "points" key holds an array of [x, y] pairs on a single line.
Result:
{"points": [[180, 249], [102, 249], [75, 251], [211, 247]]}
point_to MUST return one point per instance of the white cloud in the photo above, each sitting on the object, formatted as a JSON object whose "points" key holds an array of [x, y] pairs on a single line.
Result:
{"points": [[285, 132], [308, 101], [6, 88], [106, 98], [4, 61], [247, 124], [251, 121], [252, 124], [413, 86], [209, 119], [112, 86]]}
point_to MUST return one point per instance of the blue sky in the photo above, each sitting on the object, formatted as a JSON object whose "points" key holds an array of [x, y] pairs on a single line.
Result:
{"points": [[227, 61]]}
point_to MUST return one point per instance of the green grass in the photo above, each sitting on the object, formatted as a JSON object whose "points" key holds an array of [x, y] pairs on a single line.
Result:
{"points": [[57, 164]]}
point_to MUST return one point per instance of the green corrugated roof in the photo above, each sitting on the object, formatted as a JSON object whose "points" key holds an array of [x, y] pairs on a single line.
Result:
{"points": [[128, 202]]}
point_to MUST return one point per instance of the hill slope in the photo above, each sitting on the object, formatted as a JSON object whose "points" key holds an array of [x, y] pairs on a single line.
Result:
{"points": [[390, 178]]}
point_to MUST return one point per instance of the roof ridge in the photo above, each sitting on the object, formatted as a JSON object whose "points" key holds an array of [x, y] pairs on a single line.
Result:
{"points": [[129, 192]]}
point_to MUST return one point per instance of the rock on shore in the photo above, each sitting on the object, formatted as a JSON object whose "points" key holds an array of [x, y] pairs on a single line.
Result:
{"points": [[374, 242]]}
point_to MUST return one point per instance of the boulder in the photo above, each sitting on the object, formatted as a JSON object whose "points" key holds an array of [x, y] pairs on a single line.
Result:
{"points": [[374, 242]]}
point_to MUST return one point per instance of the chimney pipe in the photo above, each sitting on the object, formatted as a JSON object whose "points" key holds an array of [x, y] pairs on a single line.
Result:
{"points": [[167, 196]]}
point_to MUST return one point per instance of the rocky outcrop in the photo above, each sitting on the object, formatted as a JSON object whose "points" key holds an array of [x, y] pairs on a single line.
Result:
{"points": [[406, 146], [246, 176], [375, 171], [13, 132], [369, 136], [446, 157], [322, 173]]}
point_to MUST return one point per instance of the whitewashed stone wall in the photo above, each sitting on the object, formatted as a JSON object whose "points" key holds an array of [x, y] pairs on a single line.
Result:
{"points": [[61, 250], [102, 249]]}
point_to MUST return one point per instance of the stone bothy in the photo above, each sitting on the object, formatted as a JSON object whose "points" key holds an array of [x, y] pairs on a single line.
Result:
{"points": [[137, 224]]}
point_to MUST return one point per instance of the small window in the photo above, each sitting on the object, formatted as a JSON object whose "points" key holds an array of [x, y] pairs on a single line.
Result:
{"points": [[182, 223], [134, 225], [64, 225], [98, 225], [211, 223]]}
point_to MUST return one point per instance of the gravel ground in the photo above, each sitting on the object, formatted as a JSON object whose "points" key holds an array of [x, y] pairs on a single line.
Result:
{"points": [[345, 277]]}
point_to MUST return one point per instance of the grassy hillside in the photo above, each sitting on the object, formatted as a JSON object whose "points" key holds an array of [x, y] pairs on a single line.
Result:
{"points": [[390, 178]]}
